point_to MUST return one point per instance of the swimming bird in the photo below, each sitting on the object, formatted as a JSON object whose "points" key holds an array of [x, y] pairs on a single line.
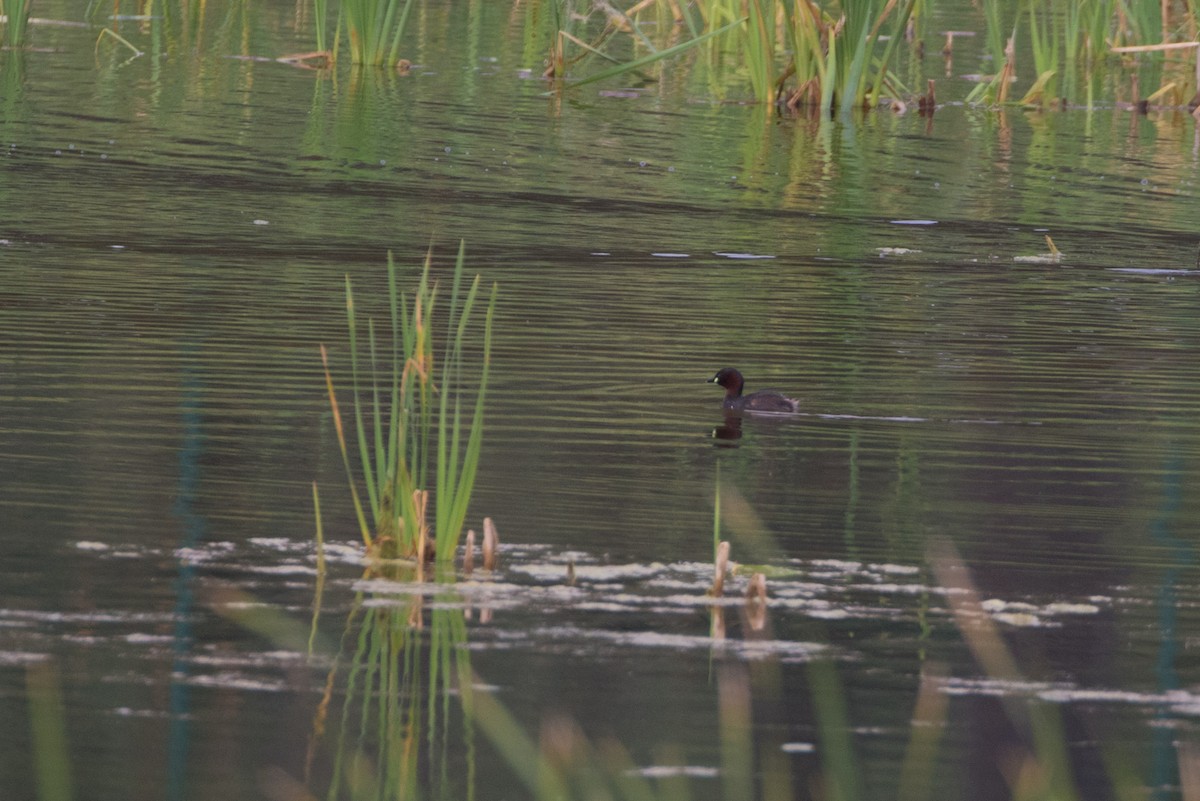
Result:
{"points": [[765, 400]]}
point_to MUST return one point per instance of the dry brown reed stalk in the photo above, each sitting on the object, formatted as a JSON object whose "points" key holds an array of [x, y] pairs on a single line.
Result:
{"points": [[1189, 771], [720, 568], [421, 503], [562, 743], [571, 573], [1008, 72], [928, 726], [977, 627], [469, 553], [491, 544]]}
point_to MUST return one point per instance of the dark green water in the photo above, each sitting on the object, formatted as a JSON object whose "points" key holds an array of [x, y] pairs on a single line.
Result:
{"points": [[176, 230]]}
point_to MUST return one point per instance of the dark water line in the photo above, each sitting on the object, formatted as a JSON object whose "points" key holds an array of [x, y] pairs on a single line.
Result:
{"points": [[193, 528], [1165, 753]]}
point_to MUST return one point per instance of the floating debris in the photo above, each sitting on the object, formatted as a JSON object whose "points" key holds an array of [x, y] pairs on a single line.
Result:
{"points": [[1053, 257]]}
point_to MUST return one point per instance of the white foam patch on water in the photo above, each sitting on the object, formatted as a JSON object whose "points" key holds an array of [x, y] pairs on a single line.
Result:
{"points": [[671, 771], [22, 657], [86, 617], [746, 256], [1023, 614], [283, 544], [591, 573], [207, 553], [281, 570], [234, 681], [838, 565], [749, 649], [1071, 609], [1024, 620], [89, 545], [129, 712], [829, 614], [798, 748], [1179, 701], [140, 638], [349, 553], [250, 659], [901, 570]]}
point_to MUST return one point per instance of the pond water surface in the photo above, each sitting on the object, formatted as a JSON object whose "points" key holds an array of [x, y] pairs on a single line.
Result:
{"points": [[176, 231]]}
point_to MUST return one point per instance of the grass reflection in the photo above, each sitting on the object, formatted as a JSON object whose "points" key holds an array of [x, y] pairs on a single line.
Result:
{"points": [[394, 678]]}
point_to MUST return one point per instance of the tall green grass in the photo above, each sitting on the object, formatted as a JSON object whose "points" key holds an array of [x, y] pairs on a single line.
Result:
{"points": [[417, 422]]}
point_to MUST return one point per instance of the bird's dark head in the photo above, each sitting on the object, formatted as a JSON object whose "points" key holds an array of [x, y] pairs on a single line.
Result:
{"points": [[729, 378]]}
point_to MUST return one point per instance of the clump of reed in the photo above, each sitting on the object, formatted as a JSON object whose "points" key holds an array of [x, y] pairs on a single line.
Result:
{"points": [[416, 425], [1074, 44], [374, 28], [799, 54]]}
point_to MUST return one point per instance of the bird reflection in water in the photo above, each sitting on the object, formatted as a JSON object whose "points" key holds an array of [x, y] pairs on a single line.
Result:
{"points": [[728, 432]]}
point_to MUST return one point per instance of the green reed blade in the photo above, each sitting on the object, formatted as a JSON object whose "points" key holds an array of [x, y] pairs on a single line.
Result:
{"points": [[830, 78], [593, 50], [394, 55], [341, 438], [359, 426], [860, 43], [475, 439], [381, 467], [395, 421], [544, 779], [320, 20], [446, 453], [16, 26], [807, 53], [633, 26], [759, 51], [319, 591], [717, 513], [886, 59], [833, 726], [47, 720]]}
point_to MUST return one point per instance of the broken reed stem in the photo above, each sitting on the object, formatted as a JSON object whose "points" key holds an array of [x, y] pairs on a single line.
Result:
{"points": [[469, 553], [491, 544]]}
